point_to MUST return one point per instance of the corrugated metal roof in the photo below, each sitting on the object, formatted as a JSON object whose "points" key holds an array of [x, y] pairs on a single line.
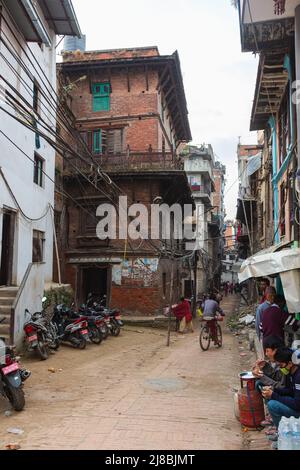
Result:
{"points": [[61, 16]]}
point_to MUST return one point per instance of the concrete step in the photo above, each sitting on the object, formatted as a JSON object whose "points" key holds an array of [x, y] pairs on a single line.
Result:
{"points": [[8, 291], [6, 301], [5, 310], [4, 329]]}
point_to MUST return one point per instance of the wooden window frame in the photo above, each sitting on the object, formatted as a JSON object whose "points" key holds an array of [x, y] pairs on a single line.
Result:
{"points": [[38, 246], [38, 171]]}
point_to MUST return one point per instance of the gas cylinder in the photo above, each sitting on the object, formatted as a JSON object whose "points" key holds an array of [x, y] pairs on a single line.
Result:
{"points": [[251, 403], [251, 407]]}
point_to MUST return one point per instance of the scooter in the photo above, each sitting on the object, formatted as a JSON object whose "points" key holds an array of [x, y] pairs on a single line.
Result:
{"points": [[11, 377]]}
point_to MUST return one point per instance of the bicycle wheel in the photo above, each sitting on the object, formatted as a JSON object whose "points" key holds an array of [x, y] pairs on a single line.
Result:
{"points": [[219, 336], [204, 338]]}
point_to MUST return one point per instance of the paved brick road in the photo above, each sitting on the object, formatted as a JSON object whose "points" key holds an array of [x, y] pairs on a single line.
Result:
{"points": [[131, 393]]}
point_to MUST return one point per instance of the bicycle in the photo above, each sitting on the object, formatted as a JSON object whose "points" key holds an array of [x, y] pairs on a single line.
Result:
{"points": [[206, 334]]}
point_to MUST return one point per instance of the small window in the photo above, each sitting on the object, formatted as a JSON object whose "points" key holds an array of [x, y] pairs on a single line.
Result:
{"points": [[38, 174], [97, 142], [101, 97], [38, 242]]}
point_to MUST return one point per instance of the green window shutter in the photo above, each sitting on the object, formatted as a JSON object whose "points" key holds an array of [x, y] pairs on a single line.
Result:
{"points": [[97, 144], [101, 103], [101, 97]]}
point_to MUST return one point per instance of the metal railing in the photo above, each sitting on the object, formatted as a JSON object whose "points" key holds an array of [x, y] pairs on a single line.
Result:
{"points": [[199, 188]]}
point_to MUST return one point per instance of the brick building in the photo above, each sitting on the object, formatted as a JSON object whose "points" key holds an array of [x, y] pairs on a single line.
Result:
{"points": [[129, 107]]}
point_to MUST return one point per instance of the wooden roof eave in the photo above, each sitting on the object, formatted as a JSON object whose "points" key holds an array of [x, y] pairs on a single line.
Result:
{"points": [[270, 87]]}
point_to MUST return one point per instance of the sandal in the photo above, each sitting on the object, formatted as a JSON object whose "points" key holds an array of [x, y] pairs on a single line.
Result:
{"points": [[271, 431], [267, 422]]}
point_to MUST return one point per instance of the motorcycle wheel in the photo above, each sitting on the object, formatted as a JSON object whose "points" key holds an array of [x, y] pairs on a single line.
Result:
{"points": [[41, 348], [81, 344], [16, 397], [105, 332], [55, 345], [115, 330], [95, 336]]}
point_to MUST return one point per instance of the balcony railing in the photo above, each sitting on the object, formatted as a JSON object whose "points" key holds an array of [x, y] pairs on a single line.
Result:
{"points": [[199, 188], [129, 161]]}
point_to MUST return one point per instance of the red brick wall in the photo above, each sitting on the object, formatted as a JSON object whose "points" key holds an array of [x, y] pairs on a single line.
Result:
{"points": [[131, 107], [140, 301]]}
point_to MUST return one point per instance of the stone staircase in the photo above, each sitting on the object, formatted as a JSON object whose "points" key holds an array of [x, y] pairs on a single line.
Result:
{"points": [[7, 297]]}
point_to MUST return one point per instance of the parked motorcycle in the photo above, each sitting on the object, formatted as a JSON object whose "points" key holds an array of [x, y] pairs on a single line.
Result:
{"points": [[36, 334], [11, 379], [115, 323], [71, 330], [102, 321]]}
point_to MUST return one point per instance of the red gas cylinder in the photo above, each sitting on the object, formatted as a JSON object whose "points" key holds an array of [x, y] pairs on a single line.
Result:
{"points": [[251, 403]]}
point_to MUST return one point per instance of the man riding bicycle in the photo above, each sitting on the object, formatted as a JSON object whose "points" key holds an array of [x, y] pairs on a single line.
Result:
{"points": [[210, 309]]}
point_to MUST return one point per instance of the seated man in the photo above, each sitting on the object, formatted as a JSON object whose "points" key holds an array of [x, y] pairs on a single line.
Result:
{"points": [[268, 372], [284, 401]]}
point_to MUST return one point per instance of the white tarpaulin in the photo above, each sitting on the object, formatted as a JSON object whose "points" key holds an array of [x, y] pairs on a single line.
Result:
{"points": [[267, 264], [291, 287], [286, 263]]}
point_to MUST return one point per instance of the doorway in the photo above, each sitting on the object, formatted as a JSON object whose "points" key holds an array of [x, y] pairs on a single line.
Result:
{"points": [[95, 281], [188, 289], [7, 251]]}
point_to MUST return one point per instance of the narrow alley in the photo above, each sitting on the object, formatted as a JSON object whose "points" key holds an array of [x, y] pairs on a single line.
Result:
{"points": [[133, 393]]}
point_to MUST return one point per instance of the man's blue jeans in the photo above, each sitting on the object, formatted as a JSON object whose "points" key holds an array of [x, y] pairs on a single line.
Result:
{"points": [[277, 410]]}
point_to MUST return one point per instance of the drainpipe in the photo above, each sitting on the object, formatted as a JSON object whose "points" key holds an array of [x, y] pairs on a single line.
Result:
{"points": [[272, 124], [297, 56]]}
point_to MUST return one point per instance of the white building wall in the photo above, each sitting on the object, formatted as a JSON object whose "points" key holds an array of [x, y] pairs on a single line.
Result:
{"points": [[17, 168]]}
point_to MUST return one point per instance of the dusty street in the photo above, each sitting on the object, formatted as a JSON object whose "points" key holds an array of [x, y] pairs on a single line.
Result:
{"points": [[131, 393]]}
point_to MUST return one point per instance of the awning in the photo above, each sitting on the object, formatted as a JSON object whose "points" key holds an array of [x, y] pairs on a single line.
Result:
{"points": [[268, 263], [61, 17], [285, 263], [254, 164]]}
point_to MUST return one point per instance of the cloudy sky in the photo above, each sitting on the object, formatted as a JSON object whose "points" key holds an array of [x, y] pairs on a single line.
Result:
{"points": [[219, 80]]}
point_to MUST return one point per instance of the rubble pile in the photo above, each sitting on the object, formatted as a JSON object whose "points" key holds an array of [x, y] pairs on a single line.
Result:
{"points": [[241, 318]]}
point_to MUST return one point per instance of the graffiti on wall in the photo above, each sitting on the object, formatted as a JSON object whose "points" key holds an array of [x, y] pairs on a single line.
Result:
{"points": [[139, 271]]}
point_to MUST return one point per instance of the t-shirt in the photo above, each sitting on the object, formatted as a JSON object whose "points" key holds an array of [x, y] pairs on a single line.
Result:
{"points": [[210, 308], [273, 321]]}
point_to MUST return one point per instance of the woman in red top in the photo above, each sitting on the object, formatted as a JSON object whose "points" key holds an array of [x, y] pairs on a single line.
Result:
{"points": [[183, 313]]}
